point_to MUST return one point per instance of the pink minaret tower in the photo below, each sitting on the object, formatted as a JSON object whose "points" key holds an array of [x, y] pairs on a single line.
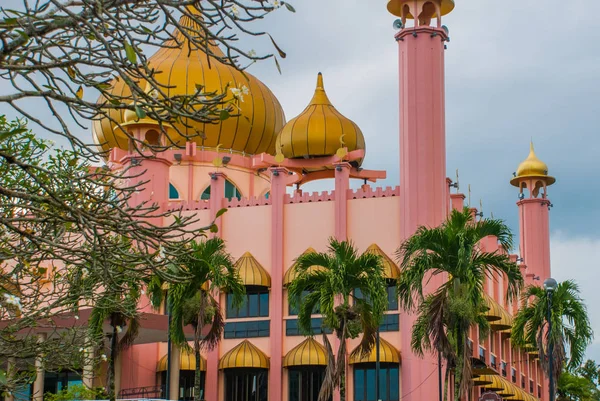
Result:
{"points": [[533, 181], [423, 185]]}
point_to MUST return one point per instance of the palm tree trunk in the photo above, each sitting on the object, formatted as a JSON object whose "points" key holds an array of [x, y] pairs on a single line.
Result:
{"points": [[447, 382], [197, 375], [111, 364]]}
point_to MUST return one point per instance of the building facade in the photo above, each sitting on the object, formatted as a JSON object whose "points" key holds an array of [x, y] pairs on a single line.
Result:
{"points": [[247, 164]]}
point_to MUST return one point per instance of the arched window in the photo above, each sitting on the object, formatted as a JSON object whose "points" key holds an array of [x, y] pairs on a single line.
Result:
{"points": [[231, 191], [173, 192]]}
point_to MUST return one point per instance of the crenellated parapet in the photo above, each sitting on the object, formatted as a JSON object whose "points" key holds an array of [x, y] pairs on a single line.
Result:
{"points": [[367, 192], [306, 197], [247, 202]]}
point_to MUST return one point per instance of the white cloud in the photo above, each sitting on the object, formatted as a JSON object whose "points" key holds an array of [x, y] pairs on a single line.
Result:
{"points": [[576, 258]]}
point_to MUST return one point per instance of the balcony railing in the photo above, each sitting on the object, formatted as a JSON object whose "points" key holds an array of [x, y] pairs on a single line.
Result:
{"points": [[493, 361], [503, 364], [513, 373]]}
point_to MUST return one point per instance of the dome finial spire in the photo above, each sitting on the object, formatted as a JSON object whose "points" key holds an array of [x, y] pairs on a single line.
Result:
{"points": [[320, 82]]}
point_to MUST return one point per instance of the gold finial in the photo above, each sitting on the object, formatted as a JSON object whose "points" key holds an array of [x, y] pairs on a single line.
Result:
{"points": [[342, 151], [320, 96], [279, 157], [218, 161]]}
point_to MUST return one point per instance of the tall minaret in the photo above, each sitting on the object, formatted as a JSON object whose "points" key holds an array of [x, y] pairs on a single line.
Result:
{"points": [[533, 180], [423, 185]]}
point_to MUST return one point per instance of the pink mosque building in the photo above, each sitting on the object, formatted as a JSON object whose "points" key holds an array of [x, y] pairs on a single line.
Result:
{"points": [[255, 166]]}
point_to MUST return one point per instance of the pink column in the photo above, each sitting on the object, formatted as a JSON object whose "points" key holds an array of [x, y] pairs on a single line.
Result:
{"points": [[457, 201], [423, 183], [534, 222], [217, 193], [278, 176], [342, 184], [151, 175]]}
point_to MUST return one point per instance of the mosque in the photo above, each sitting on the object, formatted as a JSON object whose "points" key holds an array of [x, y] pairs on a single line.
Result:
{"points": [[255, 165]]}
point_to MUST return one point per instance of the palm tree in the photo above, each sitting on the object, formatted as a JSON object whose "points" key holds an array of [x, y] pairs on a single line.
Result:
{"points": [[205, 269], [570, 326], [445, 316], [331, 292]]}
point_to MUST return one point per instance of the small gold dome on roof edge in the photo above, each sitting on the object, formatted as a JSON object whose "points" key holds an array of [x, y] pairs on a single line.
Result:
{"points": [[532, 166], [180, 69], [320, 130]]}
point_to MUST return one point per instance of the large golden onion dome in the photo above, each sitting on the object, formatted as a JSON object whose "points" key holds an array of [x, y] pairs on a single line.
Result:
{"points": [[532, 167], [320, 130], [181, 69]]}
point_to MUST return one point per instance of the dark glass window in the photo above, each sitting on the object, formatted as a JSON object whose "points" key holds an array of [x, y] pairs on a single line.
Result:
{"points": [[365, 382], [392, 296], [186, 384], [246, 384], [305, 383], [173, 192], [291, 327], [55, 382], [390, 323], [257, 328], [255, 305], [294, 311], [231, 191]]}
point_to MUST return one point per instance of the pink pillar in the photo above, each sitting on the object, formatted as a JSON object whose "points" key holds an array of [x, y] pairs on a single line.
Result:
{"points": [[457, 201], [535, 236], [342, 184], [423, 194], [217, 193], [278, 176]]}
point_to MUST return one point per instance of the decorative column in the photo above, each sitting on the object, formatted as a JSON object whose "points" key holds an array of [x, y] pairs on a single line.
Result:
{"points": [[38, 384], [457, 201], [423, 192], [217, 194], [342, 184], [174, 373], [278, 178]]}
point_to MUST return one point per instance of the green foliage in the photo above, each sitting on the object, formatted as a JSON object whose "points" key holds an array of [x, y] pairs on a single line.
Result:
{"points": [[342, 271], [571, 330], [445, 316], [576, 387], [77, 392]]}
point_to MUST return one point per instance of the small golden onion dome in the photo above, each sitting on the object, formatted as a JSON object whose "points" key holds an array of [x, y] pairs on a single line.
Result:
{"points": [[251, 272], [308, 353], [244, 355], [390, 269], [387, 354], [180, 68], [187, 361], [320, 130], [291, 273], [395, 7], [532, 167]]}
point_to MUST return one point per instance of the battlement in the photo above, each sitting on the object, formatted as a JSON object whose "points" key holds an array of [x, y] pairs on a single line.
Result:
{"points": [[306, 197], [245, 202], [184, 205], [368, 192]]}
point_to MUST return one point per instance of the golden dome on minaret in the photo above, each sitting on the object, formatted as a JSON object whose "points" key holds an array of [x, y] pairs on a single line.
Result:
{"points": [[532, 167], [395, 6], [320, 130], [181, 69]]}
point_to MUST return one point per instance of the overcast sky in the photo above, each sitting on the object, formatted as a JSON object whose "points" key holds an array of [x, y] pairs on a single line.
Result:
{"points": [[515, 71]]}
